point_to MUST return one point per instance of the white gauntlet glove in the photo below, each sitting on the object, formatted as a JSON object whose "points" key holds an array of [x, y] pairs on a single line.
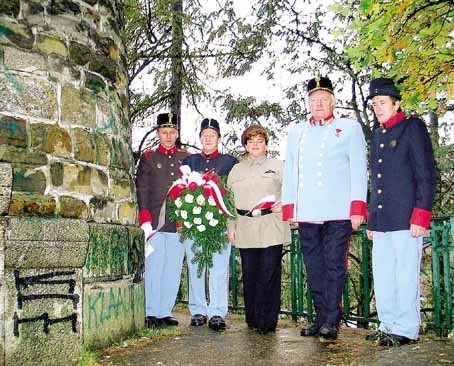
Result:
{"points": [[147, 229]]}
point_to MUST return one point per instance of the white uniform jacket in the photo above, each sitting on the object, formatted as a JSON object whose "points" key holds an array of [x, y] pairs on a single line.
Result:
{"points": [[325, 172]]}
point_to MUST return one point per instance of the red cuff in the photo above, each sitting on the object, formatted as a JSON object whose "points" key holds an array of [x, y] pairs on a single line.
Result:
{"points": [[421, 217], [358, 208], [144, 216], [287, 211]]}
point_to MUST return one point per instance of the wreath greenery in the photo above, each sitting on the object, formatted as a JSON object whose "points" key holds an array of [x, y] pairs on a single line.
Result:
{"points": [[196, 210]]}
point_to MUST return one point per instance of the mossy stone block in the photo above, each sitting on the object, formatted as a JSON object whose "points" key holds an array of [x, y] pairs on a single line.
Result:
{"points": [[51, 139], [27, 179], [51, 46], [13, 131], [14, 154], [77, 107], [27, 204], [84, 148], [71, 207]]}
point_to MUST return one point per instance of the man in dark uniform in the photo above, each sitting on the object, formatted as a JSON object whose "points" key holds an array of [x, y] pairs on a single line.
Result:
{"points": [[164, 253], [402, 192], [218, 278]]}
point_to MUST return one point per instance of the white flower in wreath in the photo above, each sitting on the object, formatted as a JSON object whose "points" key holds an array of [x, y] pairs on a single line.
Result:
{"points": [[189, 198], [211, 201], [184, 214], [209, 215], [196, 210], [201, 228], [178, 202], [187, 224], [200, 200], [213, 222], [197, 221]]}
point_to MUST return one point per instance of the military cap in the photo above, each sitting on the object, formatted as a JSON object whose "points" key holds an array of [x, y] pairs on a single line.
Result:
{"points": [[383, 86], [210, 123], [167, 120], [320, 83]]}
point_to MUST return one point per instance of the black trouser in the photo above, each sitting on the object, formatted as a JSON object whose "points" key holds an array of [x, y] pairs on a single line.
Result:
{"points": [[325, 249], [262, 285]]}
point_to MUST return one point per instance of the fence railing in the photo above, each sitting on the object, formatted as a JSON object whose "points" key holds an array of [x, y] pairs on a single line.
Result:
{"points": [[358, 301]]}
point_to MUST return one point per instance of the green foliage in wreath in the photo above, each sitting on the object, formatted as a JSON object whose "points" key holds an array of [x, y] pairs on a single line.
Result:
{"points": [[200, 220]]}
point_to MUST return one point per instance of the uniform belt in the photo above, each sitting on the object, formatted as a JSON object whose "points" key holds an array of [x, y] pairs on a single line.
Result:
{"points": [[254, 213]]}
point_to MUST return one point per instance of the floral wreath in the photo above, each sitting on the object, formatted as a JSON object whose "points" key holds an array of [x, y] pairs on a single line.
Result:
{"points": [[200, 204]]}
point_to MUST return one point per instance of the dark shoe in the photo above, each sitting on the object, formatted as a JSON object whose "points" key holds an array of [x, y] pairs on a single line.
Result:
{"points": [[376, 336], [217, 323], [198, 320], [152, 322], [328, 333], [310, 332], [251, 324], [169, 321], [264, 331], [394, 340]]}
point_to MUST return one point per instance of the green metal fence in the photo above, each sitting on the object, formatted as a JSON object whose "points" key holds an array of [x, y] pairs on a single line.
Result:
{"points": [[358, 302]]}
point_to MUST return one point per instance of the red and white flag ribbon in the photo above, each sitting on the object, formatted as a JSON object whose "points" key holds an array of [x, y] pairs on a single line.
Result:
{"points": [[263, 204]]}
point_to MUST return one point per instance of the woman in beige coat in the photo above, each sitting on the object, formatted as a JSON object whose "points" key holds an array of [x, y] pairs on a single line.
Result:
{"points": [[259, 233]]}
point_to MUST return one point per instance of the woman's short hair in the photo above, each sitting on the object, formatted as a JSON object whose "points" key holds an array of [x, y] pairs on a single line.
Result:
{"points": [[254, 131]]}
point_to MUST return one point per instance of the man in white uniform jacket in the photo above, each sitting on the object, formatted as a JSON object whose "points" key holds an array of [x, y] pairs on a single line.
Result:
{"points": [[324, 190]]}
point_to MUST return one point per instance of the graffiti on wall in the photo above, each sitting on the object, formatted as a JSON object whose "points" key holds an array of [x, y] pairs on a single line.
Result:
{"points": [[47, 279], [113, 304], [136, 258], [114, 254]]}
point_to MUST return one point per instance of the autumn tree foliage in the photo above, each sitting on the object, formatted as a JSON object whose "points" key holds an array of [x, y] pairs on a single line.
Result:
{"points": [[410, 41]]}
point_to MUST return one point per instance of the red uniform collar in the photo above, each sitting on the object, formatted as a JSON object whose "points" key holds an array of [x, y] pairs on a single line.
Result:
{"points": [[322, 122], [210, 156], [394, 120], [165, 151]]}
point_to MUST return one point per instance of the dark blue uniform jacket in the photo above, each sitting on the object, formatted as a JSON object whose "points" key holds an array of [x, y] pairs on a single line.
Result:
{"points": [[402, 175], [221, 163]]}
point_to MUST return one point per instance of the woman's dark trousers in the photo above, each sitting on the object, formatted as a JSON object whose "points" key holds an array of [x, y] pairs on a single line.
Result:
{"points": [[262, 286]]}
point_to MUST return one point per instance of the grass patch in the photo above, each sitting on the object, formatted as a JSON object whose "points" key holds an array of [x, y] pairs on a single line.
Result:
{"points": [[88, 357], [93, 357]]}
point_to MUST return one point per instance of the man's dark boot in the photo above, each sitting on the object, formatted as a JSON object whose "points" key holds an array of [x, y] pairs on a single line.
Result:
{"points": [[328, 332], [312, 331], [217, 323]]}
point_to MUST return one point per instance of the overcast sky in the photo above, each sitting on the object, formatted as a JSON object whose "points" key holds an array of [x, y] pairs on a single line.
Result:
{"points": [[250, 84]]}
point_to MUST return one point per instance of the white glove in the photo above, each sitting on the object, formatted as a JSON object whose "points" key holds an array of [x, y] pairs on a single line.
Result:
{"points": [[147, 229]]}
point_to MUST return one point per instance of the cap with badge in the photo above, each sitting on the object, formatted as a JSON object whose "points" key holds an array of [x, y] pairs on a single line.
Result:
{"points": [[167, 120], [320, 83], [210, 123], [383, 86]]}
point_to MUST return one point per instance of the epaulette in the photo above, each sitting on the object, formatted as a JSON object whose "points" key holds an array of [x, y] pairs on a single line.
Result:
{"points": [[179, 149], [148, 152]]}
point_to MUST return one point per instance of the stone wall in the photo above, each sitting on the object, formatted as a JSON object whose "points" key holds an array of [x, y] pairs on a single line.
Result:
{"points": [[71, 257], [64, 110]]}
